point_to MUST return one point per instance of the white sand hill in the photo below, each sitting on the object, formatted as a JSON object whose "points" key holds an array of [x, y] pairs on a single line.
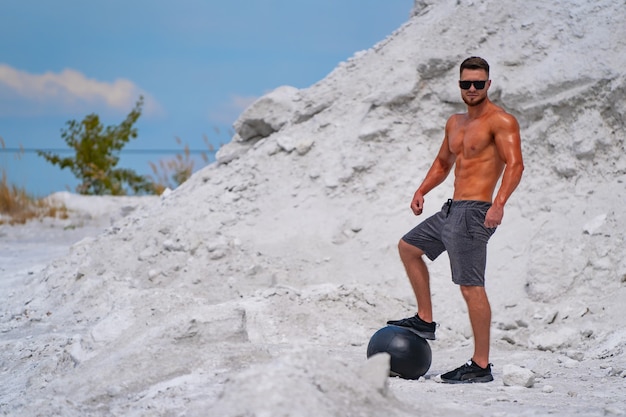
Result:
{"points": [[253, 289]]}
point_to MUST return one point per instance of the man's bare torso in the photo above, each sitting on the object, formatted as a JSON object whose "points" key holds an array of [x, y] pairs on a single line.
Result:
{"points": [[478, 165]]}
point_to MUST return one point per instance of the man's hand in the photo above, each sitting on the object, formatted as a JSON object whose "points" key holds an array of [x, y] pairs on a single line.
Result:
{"points": [[417, 204], [494, 215]]}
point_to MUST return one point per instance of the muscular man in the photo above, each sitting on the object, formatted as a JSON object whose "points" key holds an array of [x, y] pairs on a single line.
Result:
{"points": [[483, 145]]}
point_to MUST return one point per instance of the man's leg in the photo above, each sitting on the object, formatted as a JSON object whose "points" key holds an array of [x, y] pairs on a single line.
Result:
{"points": [[478, 369], [480, 317], [422, 323], [419, 278]]}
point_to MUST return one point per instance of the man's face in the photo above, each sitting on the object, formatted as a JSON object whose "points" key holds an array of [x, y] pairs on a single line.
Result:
{"points": [[473, 96]]}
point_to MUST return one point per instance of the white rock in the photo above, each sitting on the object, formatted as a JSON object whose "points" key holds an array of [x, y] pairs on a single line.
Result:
{"points": [[231, 151], [513, 375], [286, 143], [592, 226], [555, 339], [376, 372], [304, 146], [268, 114]]}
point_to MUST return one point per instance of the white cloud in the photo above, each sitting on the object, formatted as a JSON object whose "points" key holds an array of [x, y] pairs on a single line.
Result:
{"points": [[228, 112], [71, 87]]}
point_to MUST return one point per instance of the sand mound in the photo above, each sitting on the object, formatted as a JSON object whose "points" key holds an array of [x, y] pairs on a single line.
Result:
{"points": [[254, 287]]}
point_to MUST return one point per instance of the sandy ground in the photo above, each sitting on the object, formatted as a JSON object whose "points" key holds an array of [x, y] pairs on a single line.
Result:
{"points": [[253, 288]]}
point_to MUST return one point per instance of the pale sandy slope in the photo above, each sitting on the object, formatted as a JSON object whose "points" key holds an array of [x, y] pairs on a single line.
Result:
{"points": [[253, 289]]}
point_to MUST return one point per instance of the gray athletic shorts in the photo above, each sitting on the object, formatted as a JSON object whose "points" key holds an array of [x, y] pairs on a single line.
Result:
{"points": [[458, 228]]}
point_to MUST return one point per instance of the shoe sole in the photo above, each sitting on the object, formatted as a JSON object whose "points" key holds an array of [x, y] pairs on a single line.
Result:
{"points": [[479, 379], [423, 335]]}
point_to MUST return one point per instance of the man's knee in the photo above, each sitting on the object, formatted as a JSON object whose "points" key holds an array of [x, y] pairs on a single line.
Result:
{"points": [[406, 249], [473, 293]]}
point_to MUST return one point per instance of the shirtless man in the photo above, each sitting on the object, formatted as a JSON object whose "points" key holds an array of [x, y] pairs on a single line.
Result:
{"points": [[483, 145]]}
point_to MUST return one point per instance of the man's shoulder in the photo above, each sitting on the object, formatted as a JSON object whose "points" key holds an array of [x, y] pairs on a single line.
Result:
{"points": [[457, 118], [500, 117]]}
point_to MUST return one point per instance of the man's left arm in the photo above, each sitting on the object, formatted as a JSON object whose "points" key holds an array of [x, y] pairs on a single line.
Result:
{"points": [[509, 145]]}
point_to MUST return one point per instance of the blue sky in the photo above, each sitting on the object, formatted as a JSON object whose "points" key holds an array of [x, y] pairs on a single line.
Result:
{"points": [[197, 64]]}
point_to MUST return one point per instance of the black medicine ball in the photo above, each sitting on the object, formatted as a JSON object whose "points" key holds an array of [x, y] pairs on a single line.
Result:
{"points": [[410, 354]]}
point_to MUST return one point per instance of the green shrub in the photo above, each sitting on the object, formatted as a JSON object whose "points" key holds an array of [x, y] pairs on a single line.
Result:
{"points": [[97, 154]]}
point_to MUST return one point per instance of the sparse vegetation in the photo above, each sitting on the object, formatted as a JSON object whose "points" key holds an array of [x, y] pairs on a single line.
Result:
{"points": [[97, 153], [173, 172], [18, 207], [94, 163]]}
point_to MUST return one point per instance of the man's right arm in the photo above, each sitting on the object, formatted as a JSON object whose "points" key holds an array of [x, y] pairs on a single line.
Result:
{"points": [[437, 173]]}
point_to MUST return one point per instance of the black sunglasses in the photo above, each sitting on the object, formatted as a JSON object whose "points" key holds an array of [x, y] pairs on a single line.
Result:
{"points": [[466, 85]]}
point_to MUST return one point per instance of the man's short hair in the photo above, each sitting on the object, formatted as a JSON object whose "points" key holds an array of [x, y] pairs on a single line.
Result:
{"points": [[474, 63]]}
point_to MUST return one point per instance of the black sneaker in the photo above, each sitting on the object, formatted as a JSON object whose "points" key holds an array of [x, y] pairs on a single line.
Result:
{"points": [[467, 374], [417, 326]]}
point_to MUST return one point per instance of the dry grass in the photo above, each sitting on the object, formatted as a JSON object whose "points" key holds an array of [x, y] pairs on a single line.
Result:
{"points": [[18, 207], [173, 172]]}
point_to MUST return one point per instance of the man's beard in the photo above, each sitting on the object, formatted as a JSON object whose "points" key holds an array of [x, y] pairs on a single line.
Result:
{"points": [[473, 103]]}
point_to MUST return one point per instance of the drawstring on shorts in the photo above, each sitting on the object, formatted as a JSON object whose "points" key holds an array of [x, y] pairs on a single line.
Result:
{"points": [[449, 204]]}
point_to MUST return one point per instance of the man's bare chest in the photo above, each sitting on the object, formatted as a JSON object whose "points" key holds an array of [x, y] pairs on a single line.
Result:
{"points": [[470, 139]]}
